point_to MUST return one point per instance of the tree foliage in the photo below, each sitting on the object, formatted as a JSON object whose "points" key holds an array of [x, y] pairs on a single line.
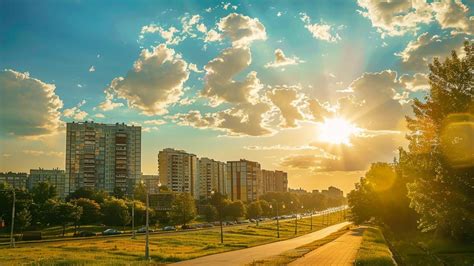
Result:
{"points": [[183, 209], [91, 212], [115, 212]]}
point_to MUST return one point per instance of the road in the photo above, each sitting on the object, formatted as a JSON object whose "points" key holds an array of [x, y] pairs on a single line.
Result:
{"points": [[341, 252], [248, 255]]}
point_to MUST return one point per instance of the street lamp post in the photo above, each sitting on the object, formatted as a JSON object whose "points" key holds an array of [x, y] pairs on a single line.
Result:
{"points": [[133, 216], [278, 217], [147, 240], [220, 217], [12, 239]]}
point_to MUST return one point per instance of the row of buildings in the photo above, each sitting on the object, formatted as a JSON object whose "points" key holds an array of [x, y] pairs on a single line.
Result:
{"points": [[239, 180], [108, 157]]}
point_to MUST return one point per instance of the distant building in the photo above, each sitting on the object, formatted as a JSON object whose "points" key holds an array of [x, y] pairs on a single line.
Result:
{"points": [[151, 182], [54, 177], [243, 178], [274, 181], [298, 191], [178, 170], [212, 177], [16, 180], [102, 156], [333, 192]]}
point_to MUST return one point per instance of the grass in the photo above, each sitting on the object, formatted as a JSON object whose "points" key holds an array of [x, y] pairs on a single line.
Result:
{"points": [[291, 255], [374, 250], [164, 248], [416, 248]]}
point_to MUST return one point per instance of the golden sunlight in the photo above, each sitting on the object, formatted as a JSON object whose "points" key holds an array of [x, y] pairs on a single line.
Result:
{"points": [[337, 131]]}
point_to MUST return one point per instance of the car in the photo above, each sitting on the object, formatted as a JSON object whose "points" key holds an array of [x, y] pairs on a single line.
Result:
{"points": [[111, 231], [142, 230], [85, 234], [243, 222], [253, 220], [230, 223], [169, 228], [218, 223], [208, 225], [188, 226]]}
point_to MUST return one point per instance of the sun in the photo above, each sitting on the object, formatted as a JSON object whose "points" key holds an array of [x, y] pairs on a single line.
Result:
{"points": [[336, 131]]}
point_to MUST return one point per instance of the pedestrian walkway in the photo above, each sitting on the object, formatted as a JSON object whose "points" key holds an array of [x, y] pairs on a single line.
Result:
{"points": [[249, 255], [342, 251]]}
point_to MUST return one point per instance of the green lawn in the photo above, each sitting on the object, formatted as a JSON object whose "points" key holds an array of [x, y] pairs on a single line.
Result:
{"points": [[374, 249], [422, 249], [164, 247]]}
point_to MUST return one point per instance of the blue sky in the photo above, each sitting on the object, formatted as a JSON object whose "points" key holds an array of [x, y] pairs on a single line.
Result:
{"points": [[357, 50]]}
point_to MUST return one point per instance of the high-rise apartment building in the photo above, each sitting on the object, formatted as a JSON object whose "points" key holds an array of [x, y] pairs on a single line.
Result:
{"points": [[243, 179], [102, 156], [178, 170], [16, 180], [212, 177], [54, 177], [274, 181]]}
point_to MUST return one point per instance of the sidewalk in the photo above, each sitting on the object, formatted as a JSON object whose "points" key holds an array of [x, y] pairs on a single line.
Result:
{"points": [[248, 255], [341, 251]]}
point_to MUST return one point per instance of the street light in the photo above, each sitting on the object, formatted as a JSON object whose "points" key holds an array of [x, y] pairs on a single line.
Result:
{"points": [[220, 217], [147, 225], [133, 216], [277, 216]]}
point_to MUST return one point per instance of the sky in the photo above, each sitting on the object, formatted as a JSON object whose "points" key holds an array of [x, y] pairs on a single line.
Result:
{"points": [[319, 89]]}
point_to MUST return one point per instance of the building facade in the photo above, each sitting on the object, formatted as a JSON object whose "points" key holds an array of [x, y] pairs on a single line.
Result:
{"points": [[178, 170], [243, 178], [274, 181], [16, 180], [332, 192], [55, 177], [212, 177], [102, 156]]}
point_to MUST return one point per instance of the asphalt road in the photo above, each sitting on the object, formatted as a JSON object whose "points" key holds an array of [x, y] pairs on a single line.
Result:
{"points": [[249, 255]]}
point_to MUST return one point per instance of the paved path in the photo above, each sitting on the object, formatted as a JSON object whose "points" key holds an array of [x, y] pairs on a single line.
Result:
{"points": [[248, 255], [341, 251]]}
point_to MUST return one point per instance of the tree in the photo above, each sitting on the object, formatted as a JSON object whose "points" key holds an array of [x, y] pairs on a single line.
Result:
{"points": [[210, 213], [254, 210], [235, 210], [115, 212], [90, 211], [220, 202], [22, 219], [361, 202], [266, 210], [98, 196], [23, 201], [42, 192], [183, 209], [66, 213], [140, 211], [440, 158], [140, 192]]}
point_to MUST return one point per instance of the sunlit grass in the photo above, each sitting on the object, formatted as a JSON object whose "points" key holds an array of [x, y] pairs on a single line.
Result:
{"points": [[374, 249], [163, 247]]}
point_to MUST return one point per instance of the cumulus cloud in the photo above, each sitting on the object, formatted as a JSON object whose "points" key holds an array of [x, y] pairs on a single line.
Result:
{"points": [[241, 120], [187, 101], [286, 100], [321, 31], [219, 83], [99, 115], [75, 112], [282, 60], [373, 104], [156, 122], [420, 52], [29, 106], [281, 148], [108, 104], [318, 110], [417, 82], [44, 153], [92, 69], [454, 14], [155, 81], [194, 68], [170, 35], [394, 18], [242, 30]]}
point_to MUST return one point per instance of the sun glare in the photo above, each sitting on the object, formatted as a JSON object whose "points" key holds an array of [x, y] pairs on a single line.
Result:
{"points": [[337, 131]]}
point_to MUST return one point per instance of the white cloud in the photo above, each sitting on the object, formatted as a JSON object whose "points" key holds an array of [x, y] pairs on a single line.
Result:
{"points": [[282, 60], [194, 68], [219, 83], [92, 69], [187, 101], [394, 18], [44, 153], [155, 82], [242, 30], [170, 35], [321, 31], [156, 122], [420, 52], [281, 148], [99, 115], [286, 100], [29, 107], [417, 82], [108, 103]]}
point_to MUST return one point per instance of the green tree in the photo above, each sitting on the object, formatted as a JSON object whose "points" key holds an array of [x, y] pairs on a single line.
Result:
{"points": [[115, 212], [22, 219], [235, 210], [183, 209], [440, 158], [42, 192], [140, 192], [66, 213], [24, 201], [361, 202], [254, 209], [210, 213], [90, 211], [140, 211], [98, 196]]}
